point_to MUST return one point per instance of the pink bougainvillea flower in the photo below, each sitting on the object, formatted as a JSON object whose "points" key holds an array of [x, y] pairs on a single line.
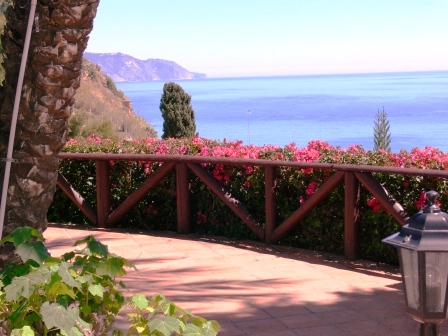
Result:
{"points": [[311, 189], [421, 201], [376, 206], [355, 149], [201, 218], [215, 172], [307, 171], [371, 202], [72, 141]]}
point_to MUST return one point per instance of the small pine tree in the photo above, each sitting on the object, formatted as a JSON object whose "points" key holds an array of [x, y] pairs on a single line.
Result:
{"points": [[381, 132], [177, 112]]}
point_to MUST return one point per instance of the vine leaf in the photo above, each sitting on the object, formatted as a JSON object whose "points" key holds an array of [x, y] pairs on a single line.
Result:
{"points": [[112, 267], [19, 286], [66, 274], [213, 326], [56, 316], [94, 246], [140, 301], [22, 235], [97, 290], [25, 331], [86, 278], [193, 330], [60, 288], [74, 332], [165, 326], [34, 250], [42, 274]]}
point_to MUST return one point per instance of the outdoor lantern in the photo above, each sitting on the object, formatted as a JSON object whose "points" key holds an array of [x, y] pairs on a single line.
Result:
{"points": [[423, 251]]}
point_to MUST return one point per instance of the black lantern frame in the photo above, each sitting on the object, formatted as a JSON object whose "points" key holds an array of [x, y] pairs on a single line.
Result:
{"points": [[423, 252]]}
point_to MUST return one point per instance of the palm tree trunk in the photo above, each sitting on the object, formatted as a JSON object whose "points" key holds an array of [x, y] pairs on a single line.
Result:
{"points": [[51, 79]]}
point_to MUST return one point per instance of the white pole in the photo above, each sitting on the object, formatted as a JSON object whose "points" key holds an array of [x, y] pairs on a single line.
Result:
{"points": [[15, 113]]}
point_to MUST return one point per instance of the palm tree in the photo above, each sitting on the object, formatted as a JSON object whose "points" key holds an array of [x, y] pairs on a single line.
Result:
{"points": [[51, 79]]}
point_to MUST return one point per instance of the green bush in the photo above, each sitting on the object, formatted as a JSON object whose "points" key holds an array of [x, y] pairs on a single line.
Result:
{"points": [[77, 122], [322, 229], [77, 294], [177, 112], [110, 84]]}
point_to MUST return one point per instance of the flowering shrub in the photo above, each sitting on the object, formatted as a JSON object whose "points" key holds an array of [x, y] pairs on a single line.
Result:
{"points": [[375, 204], [322, 229]]}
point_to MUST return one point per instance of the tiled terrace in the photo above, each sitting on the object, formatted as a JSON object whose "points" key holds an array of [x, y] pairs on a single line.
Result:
{"points": [[254, 289]]}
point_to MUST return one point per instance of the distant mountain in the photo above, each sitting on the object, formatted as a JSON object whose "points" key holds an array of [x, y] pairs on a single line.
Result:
{"points": [[125, 68]]}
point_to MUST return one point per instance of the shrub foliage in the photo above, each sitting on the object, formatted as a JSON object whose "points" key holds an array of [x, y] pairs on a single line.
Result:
{"points": [[177, 112], [381, 132], [322, 229]]}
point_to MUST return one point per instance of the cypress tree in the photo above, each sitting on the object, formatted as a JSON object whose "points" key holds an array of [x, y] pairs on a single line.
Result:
{"points": [[381, 132], [177, 112]]}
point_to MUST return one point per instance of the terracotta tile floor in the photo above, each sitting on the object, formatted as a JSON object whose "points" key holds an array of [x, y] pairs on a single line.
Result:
{"points": [[255, 289]]}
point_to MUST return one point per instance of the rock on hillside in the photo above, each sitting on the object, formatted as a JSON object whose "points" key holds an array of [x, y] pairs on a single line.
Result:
{"points": [[125, 68]]}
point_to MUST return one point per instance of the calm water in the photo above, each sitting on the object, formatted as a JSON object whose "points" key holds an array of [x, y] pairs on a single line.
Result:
{"points": [[339, 109]]}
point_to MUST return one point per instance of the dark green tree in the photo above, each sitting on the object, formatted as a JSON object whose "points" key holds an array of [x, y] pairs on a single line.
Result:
{"points": [[381, 132], [177, 112]]}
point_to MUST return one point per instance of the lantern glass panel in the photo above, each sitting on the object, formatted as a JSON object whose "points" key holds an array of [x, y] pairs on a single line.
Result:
{"points": [[436, 280], [409, 264]]}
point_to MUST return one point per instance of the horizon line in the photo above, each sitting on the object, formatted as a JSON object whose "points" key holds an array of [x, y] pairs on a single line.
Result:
{"points": [[322, 74]]}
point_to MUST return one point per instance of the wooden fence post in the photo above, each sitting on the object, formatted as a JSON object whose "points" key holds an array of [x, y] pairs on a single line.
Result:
{"points": [[271, 218], [351, 217], [183, 198], [103, 192]]}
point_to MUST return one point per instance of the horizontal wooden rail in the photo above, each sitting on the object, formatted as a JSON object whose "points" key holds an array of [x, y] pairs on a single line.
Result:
{"points": [[253, 162], [348, 174]]}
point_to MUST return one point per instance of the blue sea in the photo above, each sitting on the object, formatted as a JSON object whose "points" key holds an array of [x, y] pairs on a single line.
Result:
{"points": [[339, 109]]}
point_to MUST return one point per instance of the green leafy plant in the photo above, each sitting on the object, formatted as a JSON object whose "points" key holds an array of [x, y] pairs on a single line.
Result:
{"points": [[177, 112], [159, 316], [381, 132], [77, 294]]}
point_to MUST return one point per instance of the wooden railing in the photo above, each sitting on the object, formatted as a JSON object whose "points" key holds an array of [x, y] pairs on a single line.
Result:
{"points": [[350, 175]]}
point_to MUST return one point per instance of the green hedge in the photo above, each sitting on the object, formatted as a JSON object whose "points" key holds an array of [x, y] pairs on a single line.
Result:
{"points": [[322, 229]]}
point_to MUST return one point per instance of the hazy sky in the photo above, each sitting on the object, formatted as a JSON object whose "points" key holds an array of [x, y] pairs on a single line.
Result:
{"points": [[278, 37]]}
